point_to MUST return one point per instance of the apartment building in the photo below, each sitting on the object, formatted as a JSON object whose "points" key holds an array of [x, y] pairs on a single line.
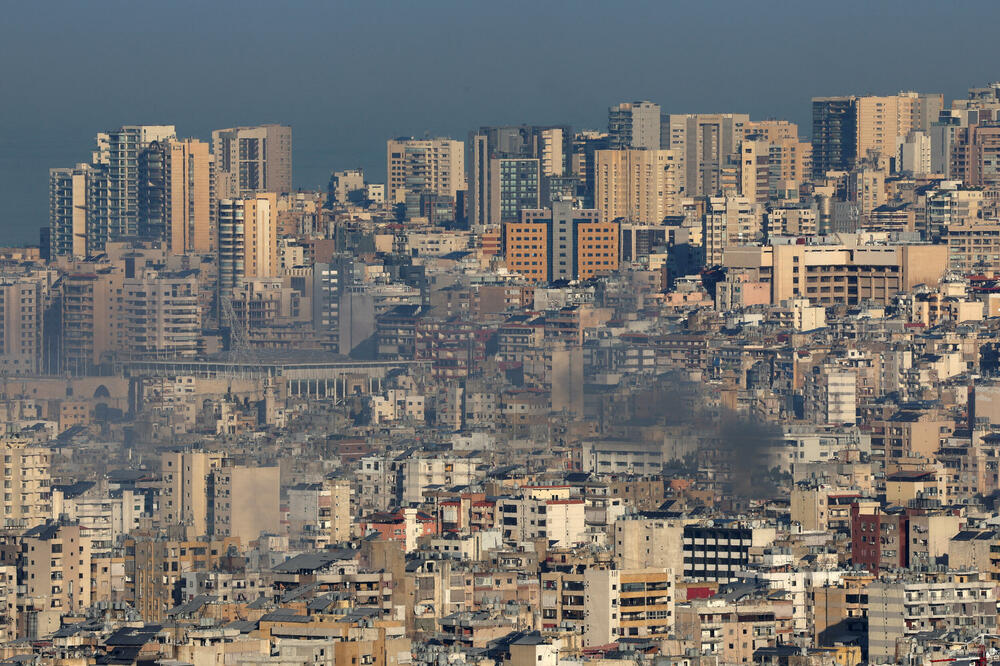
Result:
{"points": [[561, 243], [914, 603], [22, 316], [730, 220], [161, 315], [420, 474], [840, 273], [27, 495], [248, 244], [634, 125], [155, 564], [707, 146], [638, 186], [186, 489], [177, 195], [252, 160], [629, 603], [719, 552], [57, 568], [415, 166], [245, 501], [543, 512]]}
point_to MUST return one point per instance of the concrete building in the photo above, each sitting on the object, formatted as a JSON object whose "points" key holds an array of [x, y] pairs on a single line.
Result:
{"points": [[719, 552], [730, 220], [641, 542], [77, 211], [57, 568], [515, 186], [545, 512], [418, 166], [975, 155], [421, 474], [634, 125], [27, 497], [847, 273], [561, 243], [346, 184], [245, 503], [252, 160], [638, 186], [502, 177], [707, 145], [631, 603], [910, 604], [118, 152], [832, 396], [848, 129], [915, 154], [162, 315], [248, 243], [185, 489], [177, 200], [22, 315]]}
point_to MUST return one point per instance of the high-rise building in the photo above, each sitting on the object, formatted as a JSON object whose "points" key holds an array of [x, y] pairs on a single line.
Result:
{"points": [[248, 244], [90, 319], [730, 220], [707, 145], [638, 186], [834, 135], [185, 489], [491, 147], [27, 499], [847, 129], [975, 155], [245, 501], [417, 166], [251, 160], [161, 315], [176, 197], [634, 125], [773, 168], [22, 310], [57, 568], [514, 186], [78, 214], [561, 243], [118, 152]]}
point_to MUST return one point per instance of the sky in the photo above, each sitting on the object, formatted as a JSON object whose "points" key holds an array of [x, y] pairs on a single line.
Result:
{"points": [[348, 75]]}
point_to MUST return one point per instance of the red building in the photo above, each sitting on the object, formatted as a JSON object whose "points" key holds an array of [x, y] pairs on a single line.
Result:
{"points": [[879, 537]]}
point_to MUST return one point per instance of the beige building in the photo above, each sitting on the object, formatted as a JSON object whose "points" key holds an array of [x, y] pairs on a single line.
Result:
{"points": [[424, 165], [250, 160], [246, 501], [184, 493], [640, 186], [631, 603], [640, 543], [919, 603], [707, 144], [730, 220], [27, 499], [22, 309], [248, 242], [882, 120], [90, 319], [189, 198], [162, 315], [848, 273], [57, 568], [973, 247]]}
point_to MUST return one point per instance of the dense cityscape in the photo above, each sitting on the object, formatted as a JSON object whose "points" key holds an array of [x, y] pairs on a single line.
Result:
{"points": [[685, 390]]}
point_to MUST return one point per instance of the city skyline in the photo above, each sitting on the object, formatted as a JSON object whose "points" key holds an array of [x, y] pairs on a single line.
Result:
{"points": [[322, 86]]}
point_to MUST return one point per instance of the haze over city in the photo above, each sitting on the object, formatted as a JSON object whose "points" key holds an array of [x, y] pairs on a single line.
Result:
{"points": [[500, 334], [346, 75]]}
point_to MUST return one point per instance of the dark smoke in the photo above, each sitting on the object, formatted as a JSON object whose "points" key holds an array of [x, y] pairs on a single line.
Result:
{"points": [[732, 444]]}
